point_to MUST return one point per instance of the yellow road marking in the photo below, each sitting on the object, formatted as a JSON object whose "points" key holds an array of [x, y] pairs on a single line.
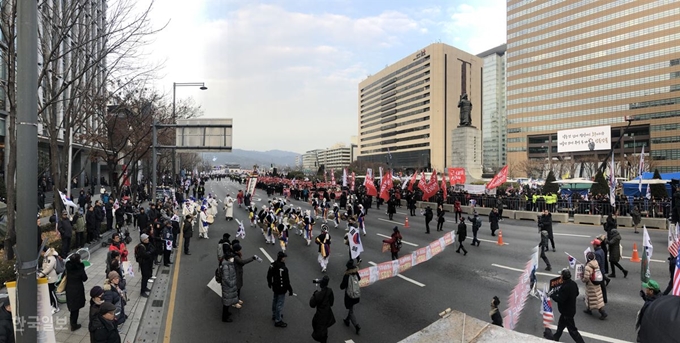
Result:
{"points": [[173, 291]]}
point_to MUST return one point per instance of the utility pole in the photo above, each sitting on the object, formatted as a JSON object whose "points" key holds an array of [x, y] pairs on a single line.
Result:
{"points": [[27, 149]]}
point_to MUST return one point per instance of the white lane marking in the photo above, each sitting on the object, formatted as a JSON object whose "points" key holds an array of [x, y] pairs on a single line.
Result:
{"points": [[349, 341], [570, 235], [522, 270], [271, 260], [595, 336], [651, 259], [487, 240], [402, 277], [391, 221], [403, 241]]}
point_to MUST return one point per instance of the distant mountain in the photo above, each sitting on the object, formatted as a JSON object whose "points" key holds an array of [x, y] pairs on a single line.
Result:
{"points": [[248, 158]]}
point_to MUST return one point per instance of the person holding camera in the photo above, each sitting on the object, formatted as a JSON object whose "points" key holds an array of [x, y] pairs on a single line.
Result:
{"points": [[322, 300], [279, 282]]}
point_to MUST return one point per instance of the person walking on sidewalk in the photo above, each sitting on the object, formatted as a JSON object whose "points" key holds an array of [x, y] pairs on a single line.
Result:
{"points": [[279, 282], [145, 255], [75, 288], [187, 232], [462, 234], [350, 283]]}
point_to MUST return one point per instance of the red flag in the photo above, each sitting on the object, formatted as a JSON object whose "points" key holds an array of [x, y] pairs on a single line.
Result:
{"points": [[432, 187], [385, 186], [333, 179], [368, 183], [444, 186], [413, 181], [499, 179], [456, 175], [351, 187], [422, 182]]}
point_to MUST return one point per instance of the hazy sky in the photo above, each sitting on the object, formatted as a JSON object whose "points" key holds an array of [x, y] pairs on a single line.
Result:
{"points": [[287, 71]]}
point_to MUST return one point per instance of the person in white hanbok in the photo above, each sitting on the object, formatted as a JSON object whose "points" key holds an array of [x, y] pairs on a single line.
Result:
{"points": [[212, 210], [229, 207], [204, 226]]}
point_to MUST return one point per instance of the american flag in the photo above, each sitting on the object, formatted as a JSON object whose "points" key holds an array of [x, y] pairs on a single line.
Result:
{"points": [[673, 248], [547, 310], [676, 278], [673, 241]]}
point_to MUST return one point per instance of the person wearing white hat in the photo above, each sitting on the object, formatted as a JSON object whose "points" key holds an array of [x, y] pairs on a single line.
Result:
{"points": [[324, 242], [203, 228]]}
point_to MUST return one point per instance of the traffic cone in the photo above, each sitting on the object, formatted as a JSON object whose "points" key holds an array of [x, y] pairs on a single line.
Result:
{"points": [[635, 257], [500, 237], [406, 223]]}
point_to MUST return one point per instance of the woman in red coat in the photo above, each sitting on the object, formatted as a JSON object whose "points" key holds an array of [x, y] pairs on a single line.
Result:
{"points": [[395, 243], [119, 246]]}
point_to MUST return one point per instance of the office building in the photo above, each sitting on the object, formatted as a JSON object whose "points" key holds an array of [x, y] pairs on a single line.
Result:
{"points": [[336, 157], [494, 128], [408, 110], [310, 161], [577, 64]]}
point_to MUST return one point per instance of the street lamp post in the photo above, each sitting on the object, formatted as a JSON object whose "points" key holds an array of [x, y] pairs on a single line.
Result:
{"points": [[202, 86]]}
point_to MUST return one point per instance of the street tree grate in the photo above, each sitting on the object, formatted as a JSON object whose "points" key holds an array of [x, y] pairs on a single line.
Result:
{"points": [[166, 271]]}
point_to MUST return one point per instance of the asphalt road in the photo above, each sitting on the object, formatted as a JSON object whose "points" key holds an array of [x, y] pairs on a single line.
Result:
{"points": [[393, 309]]}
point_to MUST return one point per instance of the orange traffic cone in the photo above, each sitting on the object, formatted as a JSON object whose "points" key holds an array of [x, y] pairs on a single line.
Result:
{"points": [[406, 223], [500, 237], [635, 257]]}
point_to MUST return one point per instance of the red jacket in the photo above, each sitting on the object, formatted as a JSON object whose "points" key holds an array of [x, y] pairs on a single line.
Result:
{"points": [[122, 250], [394, 247]]}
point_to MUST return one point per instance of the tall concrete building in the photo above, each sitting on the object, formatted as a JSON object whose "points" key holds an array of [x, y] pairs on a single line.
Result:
{"points": [[336, 157], [494, 128], [409, 109], [577, 64]]}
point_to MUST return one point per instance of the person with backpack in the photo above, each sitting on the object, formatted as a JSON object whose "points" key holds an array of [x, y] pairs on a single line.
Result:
{"points": [[50, 269], [395, 243], [145, 255], [592, 277], [476, 224], [543, 247], [350, 283]]}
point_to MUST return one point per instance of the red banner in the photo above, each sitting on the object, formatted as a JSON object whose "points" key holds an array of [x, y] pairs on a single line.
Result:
{"points": [[444, 193], [456, 176], [385, 270], [333, 178], [351, 185], [422, 182], [405, 263], [413, 181], [368, 183], [432, 187], [385, 186], [499, 179], [436, 247]]}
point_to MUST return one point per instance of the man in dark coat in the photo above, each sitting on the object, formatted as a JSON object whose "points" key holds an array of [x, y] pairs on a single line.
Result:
{"points": [[75, 288], [6, 323], [142, 219], [103, 327], [476, 224], [90, 224], [494, 217], [392, 207], [145, 255], [323, 301], [428, 218], [613, 241], [98, 218], [279, 282], [187, 232], [545, 223], [462, 234], [66, 231], [565, 297], [109, 215]]}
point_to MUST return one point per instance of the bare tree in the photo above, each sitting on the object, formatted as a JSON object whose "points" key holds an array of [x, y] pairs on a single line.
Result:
{"points": [[532, 168]]}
